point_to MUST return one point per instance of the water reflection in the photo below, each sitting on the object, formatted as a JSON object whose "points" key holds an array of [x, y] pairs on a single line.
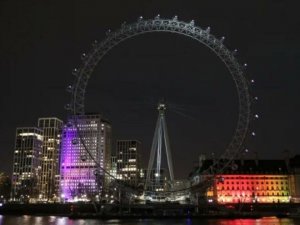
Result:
{"points": [[55, 220], [263, 221]]}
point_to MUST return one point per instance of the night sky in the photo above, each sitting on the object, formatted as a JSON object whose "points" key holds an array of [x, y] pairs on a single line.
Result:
{"points": [[41, 42]]}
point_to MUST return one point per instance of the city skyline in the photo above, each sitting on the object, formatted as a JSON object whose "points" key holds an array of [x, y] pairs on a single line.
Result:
{"points": [[40, 55]]}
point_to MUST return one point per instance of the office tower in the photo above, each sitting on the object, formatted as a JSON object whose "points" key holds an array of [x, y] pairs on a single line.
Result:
{"points": [[86, 145], [128, 161], [26, 167], [49, 179]]}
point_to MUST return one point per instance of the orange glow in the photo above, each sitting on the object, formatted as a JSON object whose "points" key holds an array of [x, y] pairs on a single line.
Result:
{"points": [[251, 188]]}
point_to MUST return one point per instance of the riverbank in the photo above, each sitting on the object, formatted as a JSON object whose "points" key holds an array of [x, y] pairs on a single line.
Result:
{"points": [[144, 211], [161, 216]]}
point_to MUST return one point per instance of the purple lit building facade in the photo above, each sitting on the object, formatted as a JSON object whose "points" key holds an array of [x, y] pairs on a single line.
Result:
{"points": [[80, 177]]}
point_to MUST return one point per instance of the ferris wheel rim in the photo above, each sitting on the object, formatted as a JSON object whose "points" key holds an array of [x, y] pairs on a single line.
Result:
{"points": [[128, 31]]}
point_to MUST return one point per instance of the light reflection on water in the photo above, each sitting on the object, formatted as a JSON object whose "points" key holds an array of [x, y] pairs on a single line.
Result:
{"points": [[55, 220]]}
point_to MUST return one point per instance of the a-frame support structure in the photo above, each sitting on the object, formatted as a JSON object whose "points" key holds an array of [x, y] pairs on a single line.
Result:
{"points": [[160, 137]]}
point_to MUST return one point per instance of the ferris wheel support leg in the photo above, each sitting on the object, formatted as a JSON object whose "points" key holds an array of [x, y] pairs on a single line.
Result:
{"points": [[168, 150], [152, 155], [158, 163]]}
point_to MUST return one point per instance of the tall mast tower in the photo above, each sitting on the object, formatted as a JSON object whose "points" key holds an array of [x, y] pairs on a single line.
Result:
{"points": [[160, 137]]}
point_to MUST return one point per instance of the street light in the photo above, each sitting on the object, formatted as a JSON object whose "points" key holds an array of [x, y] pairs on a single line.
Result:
{"points": [[63, 197]]}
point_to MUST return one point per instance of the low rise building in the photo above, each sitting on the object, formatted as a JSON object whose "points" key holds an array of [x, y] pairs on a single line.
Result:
{"points": [[248, 181]]}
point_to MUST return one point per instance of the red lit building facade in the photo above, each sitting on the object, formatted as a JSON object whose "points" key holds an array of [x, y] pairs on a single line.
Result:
{"points": [[251, 181], [248, 188]]}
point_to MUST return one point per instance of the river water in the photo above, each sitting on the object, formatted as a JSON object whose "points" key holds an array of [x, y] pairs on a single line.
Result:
{"points": [[55, 220]]}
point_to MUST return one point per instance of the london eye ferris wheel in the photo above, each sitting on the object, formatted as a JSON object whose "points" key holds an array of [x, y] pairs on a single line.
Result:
{"points": [[90, 60]]}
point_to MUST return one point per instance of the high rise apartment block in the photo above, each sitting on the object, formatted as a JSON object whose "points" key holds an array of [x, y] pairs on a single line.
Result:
{"points": [[27, 167], [49, 179]]}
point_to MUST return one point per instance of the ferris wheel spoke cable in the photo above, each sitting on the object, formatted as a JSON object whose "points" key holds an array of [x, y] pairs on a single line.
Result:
{"points": [[188, 29]]}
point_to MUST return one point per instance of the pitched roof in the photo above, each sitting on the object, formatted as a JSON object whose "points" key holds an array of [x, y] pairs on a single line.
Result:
{"points": [[248, 167]]}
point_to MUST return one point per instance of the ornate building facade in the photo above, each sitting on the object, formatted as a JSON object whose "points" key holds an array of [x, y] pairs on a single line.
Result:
{"points": [[249, 181]]}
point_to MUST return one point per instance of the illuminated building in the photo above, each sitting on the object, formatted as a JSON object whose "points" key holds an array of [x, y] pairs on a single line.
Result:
{"points": [[26, 167], [81, 178], [249, 181], [49, 179], [295, 178], [127, 156]]}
